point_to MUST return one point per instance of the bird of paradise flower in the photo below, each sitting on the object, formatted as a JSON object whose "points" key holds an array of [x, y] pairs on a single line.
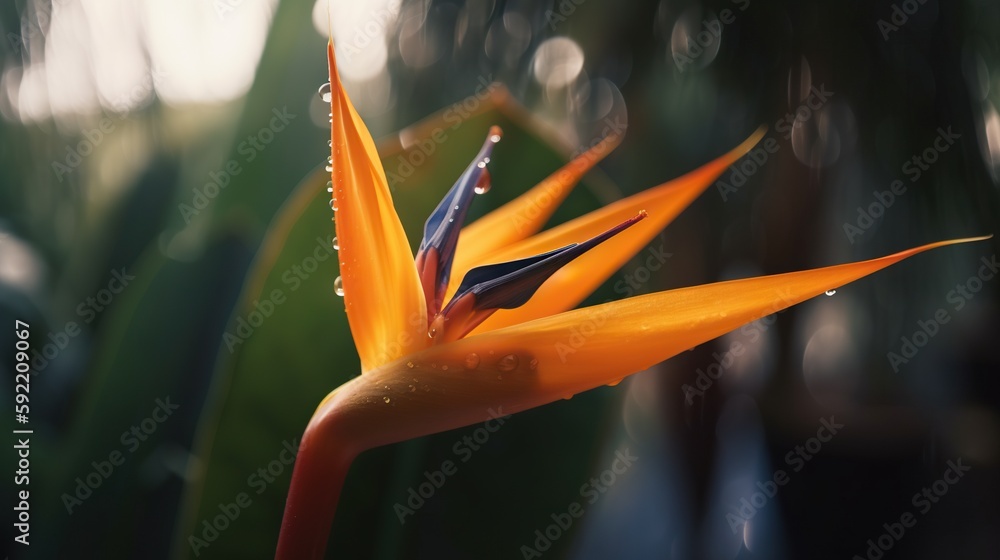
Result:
{"points": [[482, 318]]}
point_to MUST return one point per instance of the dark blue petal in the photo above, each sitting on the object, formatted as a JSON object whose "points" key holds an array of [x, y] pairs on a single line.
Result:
{"points": [[444, 224], [511, 284]]}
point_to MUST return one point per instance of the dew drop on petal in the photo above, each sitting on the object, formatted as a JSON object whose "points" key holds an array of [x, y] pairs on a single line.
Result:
{"points": [[329, 186], [333, 204], [615, 382], [336, 244], [386, 399], [472, 361], [533, 364], [507, 363], [329, 168], [410, 365], [325, 92], [412, 388], [831, 292], [338, 286]]}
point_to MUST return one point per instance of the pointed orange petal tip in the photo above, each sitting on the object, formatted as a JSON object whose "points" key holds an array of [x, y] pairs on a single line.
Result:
{"points": [[382, 293]]}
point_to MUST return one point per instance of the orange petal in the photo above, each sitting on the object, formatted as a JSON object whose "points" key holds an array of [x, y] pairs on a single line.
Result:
{"points": [[571, 285], [526, 214], [382, 294], [565, 354]]}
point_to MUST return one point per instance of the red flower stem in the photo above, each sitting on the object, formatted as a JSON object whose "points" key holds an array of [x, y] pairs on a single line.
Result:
{"points": [[321, 466]]}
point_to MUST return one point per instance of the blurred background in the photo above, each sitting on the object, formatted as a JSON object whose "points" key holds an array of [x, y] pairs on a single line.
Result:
{"points": [[161, 175]]}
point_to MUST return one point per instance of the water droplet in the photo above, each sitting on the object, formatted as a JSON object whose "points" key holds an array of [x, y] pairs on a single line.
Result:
{"points": [[326, 92], [432, 332], [831, 292], [338, 286], [329, 143], [386, 399], [507, 363], [486, 160], [329, 186], [481, 165], [615, 382], [336, 244], [329, 168], [410, 365], [495, 138], [567, 397], [445, 368], [533, 364], [472, 361], [333, 204], [412, 388]]}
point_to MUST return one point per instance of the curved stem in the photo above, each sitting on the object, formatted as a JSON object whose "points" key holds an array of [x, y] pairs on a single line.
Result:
{"points": [[321, 466]]}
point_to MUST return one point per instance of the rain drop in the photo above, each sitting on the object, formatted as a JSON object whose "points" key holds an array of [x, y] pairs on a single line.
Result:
{"points": [[533, 364], [333, 204], [831, 292], [410, 365], [325, 92], [472, 361], [482, 188], [386, 399], [329, 186], [336, 244], [338, 286], [329, 168], [507, 363], [412, 388]]}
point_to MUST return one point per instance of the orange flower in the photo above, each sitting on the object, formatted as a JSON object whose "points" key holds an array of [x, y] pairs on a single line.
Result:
{"points": [[483, 320]]}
